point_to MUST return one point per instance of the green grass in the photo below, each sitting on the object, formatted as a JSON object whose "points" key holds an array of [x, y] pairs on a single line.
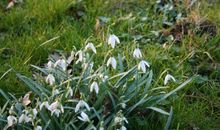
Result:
{"points": [[24, 28]]}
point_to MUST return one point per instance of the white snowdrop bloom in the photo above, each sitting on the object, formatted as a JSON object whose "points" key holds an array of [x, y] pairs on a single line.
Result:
{"points": [[71, 57], [83, 117], [167, 78], [70, 92], [61, 63], [11, 120], [123, 128], [11, 110], [46, 104], [123, 105], [118, 120], [142, 65], [103, 77], [50, 79], [53, 106], [38, 128], [50, 65], [80, 104], [112, 61], [81, 55], [34, 112], [24, 118], [112, 40], [94, 86], [137, 53], [56, 92], [56, 112], [91, 46]]}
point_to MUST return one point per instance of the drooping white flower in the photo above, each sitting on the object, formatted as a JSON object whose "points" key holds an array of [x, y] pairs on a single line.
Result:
{"points": [[112, 61], [56, 108], [142, 65], [167, 78], [137, 53], [70, 92], [38, 128], [81, 55], [91, 46], [11, 120], [24, 118], [94, 86], [120, 119], [50, 65], [53, 106], [112, 40], [44, 104], [80, 104], [123, 128], [103, 77], [50, 79], [83, 117], [71, 57], [56, 92], [34, 112], [61, 63]]}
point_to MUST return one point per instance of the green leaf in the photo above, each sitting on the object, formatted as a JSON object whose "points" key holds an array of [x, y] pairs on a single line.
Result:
{"points": [[159, 110], [169, 119]]}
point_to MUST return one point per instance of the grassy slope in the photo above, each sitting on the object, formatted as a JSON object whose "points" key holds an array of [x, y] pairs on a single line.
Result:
{"points": [[26, 27]]}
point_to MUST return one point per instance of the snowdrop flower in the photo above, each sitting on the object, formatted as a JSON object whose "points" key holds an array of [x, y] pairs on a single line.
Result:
{"points": [[137, 53], [38, 128], [103, 77], [11, 120], [24, 118], [34, 112], [90, 46], [50, 65], [142, 65], [123, 128], [112, 40], [50, 79], [80, 104], [56, 92], [71, 57], [70, 92], [46, 104], [54, 108], [61, 63], [84, 117], [120, 120], [80, 54], [167, 78], [112, 61], [94, 86]]}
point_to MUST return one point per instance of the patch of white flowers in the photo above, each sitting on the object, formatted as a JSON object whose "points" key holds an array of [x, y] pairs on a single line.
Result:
{"points": [[80, 93]]}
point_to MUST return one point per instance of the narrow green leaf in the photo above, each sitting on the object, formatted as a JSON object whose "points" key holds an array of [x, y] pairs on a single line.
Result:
{"points": [[159, 110]]}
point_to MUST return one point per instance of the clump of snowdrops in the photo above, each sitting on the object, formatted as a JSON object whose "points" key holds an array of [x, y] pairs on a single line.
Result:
{"points": [[78, 93]]}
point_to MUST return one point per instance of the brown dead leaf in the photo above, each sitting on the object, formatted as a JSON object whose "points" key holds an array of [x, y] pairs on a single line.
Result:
{"points": [[26, 101]]}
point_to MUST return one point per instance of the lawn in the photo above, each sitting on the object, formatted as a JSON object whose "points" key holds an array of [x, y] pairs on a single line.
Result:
{"points": [[177, 38]]}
